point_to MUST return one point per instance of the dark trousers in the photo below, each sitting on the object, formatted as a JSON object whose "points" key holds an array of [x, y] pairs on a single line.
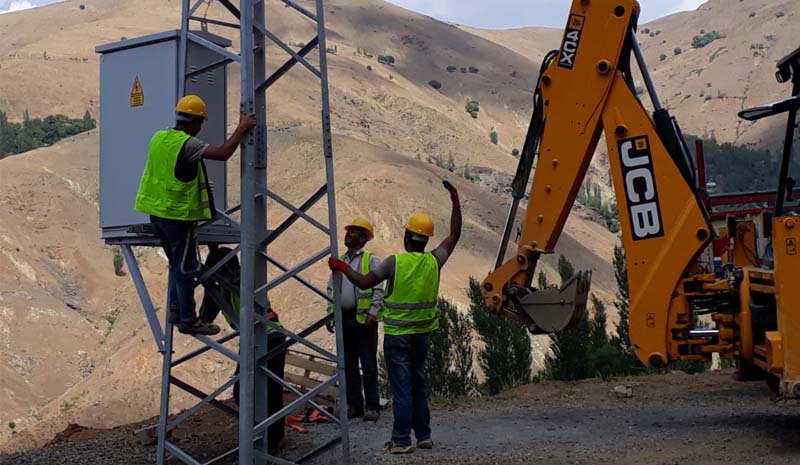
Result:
{"points": [[405, 365], [276, 431], [177, 238], [360, 344]]}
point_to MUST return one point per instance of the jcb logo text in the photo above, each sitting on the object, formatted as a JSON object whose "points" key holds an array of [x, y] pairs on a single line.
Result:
{"points": [[640, 188]]}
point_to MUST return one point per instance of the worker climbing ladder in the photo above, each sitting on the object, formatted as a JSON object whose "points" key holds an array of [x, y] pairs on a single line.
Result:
{"points": [[254, 247]]}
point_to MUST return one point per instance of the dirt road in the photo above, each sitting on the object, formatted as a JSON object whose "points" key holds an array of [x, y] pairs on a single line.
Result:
{"points": [[669, 420]]}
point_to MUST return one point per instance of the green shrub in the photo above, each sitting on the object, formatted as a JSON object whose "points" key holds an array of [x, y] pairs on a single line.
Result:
{"points": [[677, 51], [493, 137], [451, 69], [780, 14], [473, 69], [515, 152], [12, 425], [752, 14], [700, 41], [119, 260], [386, 59], [662, 57], [435, 84], [472, 106], [463, 70], [468, 174], [449, 164]]}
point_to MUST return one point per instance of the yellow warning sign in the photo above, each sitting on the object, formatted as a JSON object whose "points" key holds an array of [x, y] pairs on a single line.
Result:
{"points": [[137, 94], [791, 246]]}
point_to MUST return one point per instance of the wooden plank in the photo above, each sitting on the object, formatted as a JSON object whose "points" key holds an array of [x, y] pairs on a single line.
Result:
{"points": [[299, 361], [762, 288], [760, 350], [329, 392]]}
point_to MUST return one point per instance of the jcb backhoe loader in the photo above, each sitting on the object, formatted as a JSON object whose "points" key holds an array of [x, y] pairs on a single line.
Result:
{"points": [[586, 89]]}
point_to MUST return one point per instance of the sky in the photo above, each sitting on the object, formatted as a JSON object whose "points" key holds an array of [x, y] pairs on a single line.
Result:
{"points": [[517, 13], [7, 6], [479, 13]]}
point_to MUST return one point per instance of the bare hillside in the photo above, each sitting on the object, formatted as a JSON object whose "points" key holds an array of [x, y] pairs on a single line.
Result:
{"points": [[704, 86], [74, 342]]}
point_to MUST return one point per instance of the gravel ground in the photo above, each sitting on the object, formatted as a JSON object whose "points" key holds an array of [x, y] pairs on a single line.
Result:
{"points": [[669, 420]]}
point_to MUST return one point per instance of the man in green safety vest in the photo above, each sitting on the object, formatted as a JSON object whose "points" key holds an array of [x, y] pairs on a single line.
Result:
{"points": [[175, 193], [230, 273], [361, 310], [409, 316]]}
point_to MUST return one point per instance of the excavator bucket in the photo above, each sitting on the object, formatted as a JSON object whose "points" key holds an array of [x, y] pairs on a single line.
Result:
{"points": [[554, 309]]}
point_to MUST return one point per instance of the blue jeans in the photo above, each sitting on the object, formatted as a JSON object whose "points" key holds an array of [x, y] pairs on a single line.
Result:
{"points": [[405, 365], [177, 238]]}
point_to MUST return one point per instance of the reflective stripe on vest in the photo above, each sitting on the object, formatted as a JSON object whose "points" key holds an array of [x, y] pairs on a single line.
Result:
{"points": [[160, 193], [364, 297], [411, 307]]}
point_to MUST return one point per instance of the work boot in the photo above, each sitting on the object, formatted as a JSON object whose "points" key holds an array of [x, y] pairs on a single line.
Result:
{"points": [[174, 316], [372, 415], [198, 327], [425, 444], [393, 448], [353, 412]]}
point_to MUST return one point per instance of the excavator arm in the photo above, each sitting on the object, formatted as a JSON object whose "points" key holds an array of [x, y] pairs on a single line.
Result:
{"points": [[586, 90]]}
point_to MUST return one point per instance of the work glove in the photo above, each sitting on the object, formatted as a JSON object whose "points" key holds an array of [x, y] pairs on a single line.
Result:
{"points": [[337, 265], [371, 321], [452, 189]]}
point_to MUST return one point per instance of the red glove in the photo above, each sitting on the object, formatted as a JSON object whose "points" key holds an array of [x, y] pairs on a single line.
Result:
{"points": [[337, 265], [452, 189]]}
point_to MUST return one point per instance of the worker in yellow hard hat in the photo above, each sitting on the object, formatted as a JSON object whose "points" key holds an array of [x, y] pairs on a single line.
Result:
{"points": [[174, 191], [409, 316], [361, 310]]}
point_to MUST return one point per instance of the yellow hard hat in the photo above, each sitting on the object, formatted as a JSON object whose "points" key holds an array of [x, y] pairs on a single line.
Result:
{"points": [[421, 224], [192, 105], [363, 224]]}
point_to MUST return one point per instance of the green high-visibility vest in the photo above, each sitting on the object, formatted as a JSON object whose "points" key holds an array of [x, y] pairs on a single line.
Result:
{"points": [[364, 297], [411, 307], [235, 301], [163, 195]]}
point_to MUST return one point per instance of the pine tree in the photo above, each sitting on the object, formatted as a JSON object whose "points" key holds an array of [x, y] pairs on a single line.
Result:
{"points": [[565, 269], [506, 358], [570, 348], [599, 322], [569, 359], [622, 340], [450, 355], [542, 280], [89, 123]]}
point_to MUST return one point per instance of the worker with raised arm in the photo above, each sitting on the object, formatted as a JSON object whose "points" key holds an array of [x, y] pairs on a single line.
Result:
{"points": [[360, 312], [174, 191], [410, 315]]}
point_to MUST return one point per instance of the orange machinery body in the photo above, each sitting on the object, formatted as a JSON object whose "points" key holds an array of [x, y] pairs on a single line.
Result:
{"points": [[586, 91]]}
